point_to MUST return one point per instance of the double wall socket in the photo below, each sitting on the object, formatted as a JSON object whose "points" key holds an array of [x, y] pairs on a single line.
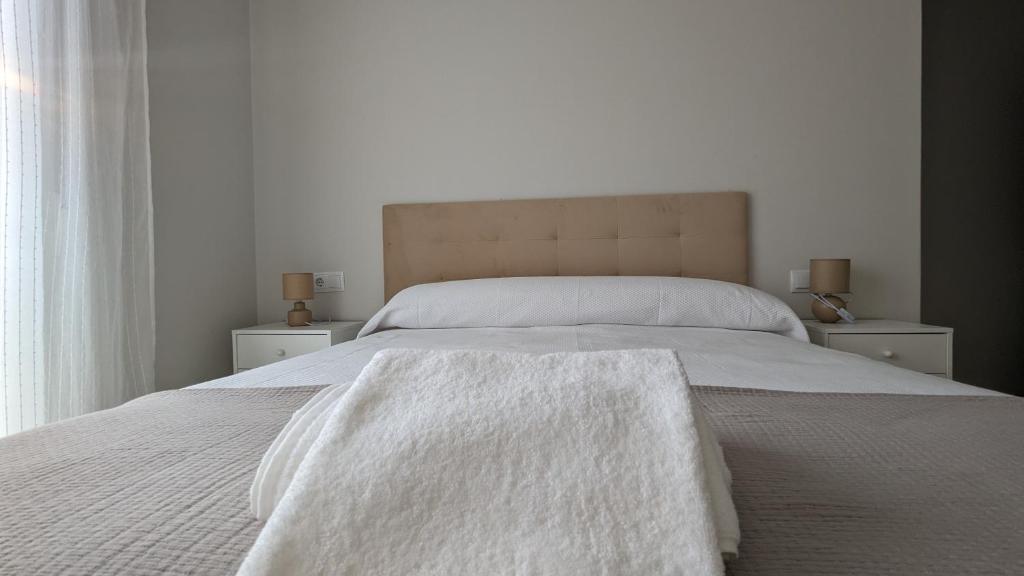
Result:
{"points": [[328, 282], [799, 281]]}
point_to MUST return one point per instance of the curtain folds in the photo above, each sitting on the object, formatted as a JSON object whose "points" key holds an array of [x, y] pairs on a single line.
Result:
{"points": [[93, 259]]}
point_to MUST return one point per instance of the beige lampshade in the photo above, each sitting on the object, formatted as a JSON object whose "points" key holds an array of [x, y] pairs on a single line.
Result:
{"points": [[297, 285], [830, 275]]}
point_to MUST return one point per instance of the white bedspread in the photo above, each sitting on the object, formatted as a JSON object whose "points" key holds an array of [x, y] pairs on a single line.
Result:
{"points": [[713, 357], [460, 462], [725, 334]]}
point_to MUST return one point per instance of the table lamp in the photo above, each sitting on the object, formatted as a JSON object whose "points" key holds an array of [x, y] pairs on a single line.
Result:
{"points": [[298, 286], [830, 276]]}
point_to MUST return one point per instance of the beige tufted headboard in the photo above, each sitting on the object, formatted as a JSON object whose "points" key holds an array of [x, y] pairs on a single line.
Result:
{"points": [[702, 235]]}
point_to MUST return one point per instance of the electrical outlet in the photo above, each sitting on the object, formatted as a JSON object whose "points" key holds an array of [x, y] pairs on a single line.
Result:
{"points": [[328, 282], [799, 281]]}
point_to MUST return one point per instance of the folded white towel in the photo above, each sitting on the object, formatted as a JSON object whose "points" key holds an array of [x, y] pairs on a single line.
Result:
{"points": [[279, 463], [289, 449], [486, 462]]}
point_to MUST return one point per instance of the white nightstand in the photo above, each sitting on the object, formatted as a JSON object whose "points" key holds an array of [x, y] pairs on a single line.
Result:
{"points": [[908, 345], [260, 345]]}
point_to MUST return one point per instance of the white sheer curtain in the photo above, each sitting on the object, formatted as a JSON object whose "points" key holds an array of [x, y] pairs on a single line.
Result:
{"points": [[22, 398], [79, 335]]}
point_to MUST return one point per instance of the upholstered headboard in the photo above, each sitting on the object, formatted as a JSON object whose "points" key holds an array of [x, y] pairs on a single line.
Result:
{"points": [[702, 235]]}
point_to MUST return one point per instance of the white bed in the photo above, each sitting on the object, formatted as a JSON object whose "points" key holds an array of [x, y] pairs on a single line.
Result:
{"points": [[833, 479], [725, 335]]}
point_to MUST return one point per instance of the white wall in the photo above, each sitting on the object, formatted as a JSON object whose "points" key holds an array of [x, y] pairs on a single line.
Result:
{"points": [[813, 107], [201, 144]]}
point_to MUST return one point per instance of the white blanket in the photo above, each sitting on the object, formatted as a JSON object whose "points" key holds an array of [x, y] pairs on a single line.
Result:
{"points": [[482, 462]]}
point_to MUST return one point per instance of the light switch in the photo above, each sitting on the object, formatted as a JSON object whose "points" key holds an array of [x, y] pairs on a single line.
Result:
{"points": [[328, 282], [799, 280]]}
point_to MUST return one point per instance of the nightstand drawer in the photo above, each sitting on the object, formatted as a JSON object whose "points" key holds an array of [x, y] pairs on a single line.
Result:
{"points": [[920, 352], [268, 343], [255, 350]]}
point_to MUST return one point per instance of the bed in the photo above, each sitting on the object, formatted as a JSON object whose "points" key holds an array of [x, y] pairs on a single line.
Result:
{"points": [[841, 465]]}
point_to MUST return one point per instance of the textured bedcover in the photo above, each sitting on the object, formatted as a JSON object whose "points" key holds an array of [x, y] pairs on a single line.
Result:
{"points": [[837, 484], [856, 484], [157, 486]]}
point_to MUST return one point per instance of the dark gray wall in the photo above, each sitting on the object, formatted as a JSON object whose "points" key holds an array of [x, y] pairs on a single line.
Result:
{"points": [[972, 185], [201, 143]]}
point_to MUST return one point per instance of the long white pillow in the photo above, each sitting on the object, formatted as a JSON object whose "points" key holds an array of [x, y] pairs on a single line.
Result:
{"points": [[575, 300]]}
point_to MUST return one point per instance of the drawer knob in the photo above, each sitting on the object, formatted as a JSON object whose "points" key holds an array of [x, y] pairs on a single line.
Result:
{"points": [[887, 353], [279, 351]]}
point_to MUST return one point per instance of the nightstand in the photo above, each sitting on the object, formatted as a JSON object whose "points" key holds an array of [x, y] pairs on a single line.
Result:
{"points": [[260, 345], [918, 347]]}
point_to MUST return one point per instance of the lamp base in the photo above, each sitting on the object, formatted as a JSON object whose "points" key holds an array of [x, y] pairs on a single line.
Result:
{"points": [[299, 315], [825, 314]]}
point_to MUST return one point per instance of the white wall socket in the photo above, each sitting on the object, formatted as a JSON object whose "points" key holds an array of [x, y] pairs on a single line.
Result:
{"points": [[328, 282], [799, 281]]}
